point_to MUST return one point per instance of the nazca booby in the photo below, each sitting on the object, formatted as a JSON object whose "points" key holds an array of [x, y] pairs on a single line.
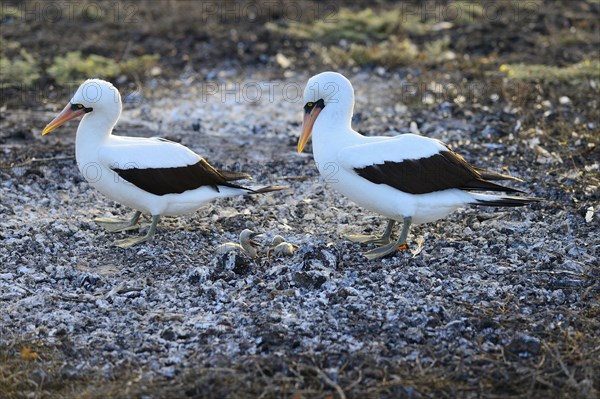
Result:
{"points": [[407, 178], [151, 175]]}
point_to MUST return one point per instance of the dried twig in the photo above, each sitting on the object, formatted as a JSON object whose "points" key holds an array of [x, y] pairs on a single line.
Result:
{"points": [[570, 379], [300, 178], [327, 380], [34, 160]]}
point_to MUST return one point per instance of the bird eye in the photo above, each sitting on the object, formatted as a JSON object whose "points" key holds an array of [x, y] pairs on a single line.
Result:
{"points": [[309, 104], [80, 106]]}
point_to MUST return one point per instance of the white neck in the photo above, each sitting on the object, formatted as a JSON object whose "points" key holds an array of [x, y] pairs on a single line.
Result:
{"points": [[93, 131], [333, 130]]}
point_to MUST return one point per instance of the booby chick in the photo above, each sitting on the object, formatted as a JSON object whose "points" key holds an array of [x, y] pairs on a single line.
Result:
{"points": [[246, 244], [280, 247], [406, 178], [150, 175]]}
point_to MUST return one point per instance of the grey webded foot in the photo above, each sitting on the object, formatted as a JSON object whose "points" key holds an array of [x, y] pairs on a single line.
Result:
{"points": [[384, 250], [130, 242], [400, 244], [115, 225], [370, 239]]}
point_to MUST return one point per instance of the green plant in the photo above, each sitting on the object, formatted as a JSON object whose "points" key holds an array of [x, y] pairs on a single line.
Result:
{"points": [[346, 24], [73, 66], [389, 53], [9, 11], [437, 50], [21, 70], [138, 65], [571, 74]]}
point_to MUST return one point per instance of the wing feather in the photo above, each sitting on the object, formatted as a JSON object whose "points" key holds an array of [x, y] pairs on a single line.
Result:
{"points": [[143, 153], [161, 167], [416, 165], [161, 181]]}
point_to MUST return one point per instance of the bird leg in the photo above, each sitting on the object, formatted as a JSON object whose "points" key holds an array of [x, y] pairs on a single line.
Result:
{"points": [[130, 242], [116, 225], [389, 248], [370, 239]]}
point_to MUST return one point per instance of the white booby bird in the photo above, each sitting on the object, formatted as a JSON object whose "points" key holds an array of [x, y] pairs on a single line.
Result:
{"points": [[151, 175], [406, 178]]}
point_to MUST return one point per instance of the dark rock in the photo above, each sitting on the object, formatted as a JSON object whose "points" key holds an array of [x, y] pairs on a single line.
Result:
{"points": [[490, 132], [196, 126], [69, 372], [88, 281], [309, 280], [524, 346], [231, 265], [318, 258], [446, 108], [169, 334], [271, 339]]}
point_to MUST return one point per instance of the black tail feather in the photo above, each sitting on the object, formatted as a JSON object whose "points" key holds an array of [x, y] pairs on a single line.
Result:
{"points": [[508, 201], [267, 189], [485, 185]]}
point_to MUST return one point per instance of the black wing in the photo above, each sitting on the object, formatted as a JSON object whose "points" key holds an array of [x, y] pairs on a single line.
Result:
{"points": [[442, 171], [161, 181]]}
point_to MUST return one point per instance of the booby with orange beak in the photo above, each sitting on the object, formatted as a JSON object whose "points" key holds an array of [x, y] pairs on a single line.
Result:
{"points": [[150, 175], [406, 178]]}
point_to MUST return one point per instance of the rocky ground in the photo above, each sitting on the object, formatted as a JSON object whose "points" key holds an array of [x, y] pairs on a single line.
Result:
{"points": [[492, 292], [487, 303]]}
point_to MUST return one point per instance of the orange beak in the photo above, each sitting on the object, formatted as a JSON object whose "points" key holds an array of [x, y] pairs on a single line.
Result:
{"points": [[65, 115], [307, 127]]}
